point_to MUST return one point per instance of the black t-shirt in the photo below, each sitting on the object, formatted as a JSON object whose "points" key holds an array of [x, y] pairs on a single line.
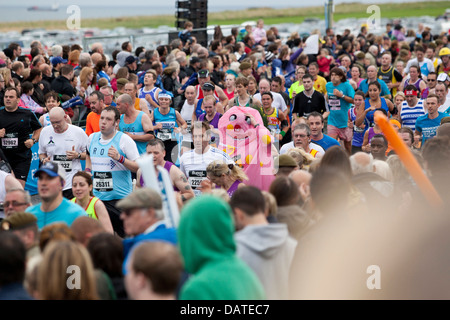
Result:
{"points": [[304, 105], [18, 127]]}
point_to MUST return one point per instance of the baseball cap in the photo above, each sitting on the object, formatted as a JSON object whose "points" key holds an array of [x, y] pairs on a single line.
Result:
{"points": [[443, 77], [203, 73], [194, 59], [122, 81], [208, 86], [245, 65], [52, 169], [57, 60], [130, 59], [141, 198], [18, 220], [286, 160]]}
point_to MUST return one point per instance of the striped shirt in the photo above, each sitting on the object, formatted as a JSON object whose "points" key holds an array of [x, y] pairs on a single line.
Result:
{"points": [[409, 114]]}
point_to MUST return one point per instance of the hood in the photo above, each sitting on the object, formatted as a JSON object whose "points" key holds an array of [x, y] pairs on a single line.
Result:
{"points": [[266, 240], [205, 232]]}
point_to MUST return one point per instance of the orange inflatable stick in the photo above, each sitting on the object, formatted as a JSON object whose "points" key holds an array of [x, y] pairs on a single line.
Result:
{"points": [[409, 161]]}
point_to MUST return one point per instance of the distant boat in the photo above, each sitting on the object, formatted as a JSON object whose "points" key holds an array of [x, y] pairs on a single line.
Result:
{"points": [[54, 7]]}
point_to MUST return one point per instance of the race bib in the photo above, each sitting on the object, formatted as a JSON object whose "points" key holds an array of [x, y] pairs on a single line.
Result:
{"points": [[334, 103], [10, 141], [164, 134], [195, 178], [103, 181], [63, 162], [188, 129]]}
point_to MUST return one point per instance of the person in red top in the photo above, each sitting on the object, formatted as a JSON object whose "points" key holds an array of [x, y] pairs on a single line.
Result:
{"points": [[97, 103]]}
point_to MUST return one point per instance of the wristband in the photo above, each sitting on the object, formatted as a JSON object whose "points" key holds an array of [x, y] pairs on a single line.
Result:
{"points": [[121, 159], [88, 170], [282, 133]]}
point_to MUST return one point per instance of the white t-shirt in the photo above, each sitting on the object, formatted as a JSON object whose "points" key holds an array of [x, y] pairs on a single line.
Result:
{"points": [[278, 100], [193, 165], [313, 146], [445, 106], [186, 113], [55, 145]]}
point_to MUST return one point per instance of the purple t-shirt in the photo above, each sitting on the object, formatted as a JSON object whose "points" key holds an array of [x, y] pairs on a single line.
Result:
{"points": [[214, 122], [167, 166]]}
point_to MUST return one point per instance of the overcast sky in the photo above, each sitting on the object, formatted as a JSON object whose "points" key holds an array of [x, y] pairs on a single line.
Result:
{"points": [[171, 3]]}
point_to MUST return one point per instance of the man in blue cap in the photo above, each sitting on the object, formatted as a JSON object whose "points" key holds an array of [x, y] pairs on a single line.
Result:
{"points": [[54, 207], [57, 63]]}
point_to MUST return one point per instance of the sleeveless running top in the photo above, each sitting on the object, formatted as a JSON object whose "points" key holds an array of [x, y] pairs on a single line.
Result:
{"points": [[90, 209], [135, 128], [169, 121]]}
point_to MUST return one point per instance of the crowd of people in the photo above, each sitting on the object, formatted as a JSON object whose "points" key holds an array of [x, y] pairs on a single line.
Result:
{"points": [[274, 156]]}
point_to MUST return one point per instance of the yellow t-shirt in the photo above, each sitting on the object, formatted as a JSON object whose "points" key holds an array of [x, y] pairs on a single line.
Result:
{"points": [[297, 87], [320, 85]]}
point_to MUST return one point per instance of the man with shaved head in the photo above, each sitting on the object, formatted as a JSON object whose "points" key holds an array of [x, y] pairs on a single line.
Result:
{"points": [[96, 57], [97, 47], [64, 144], [278, 100]]}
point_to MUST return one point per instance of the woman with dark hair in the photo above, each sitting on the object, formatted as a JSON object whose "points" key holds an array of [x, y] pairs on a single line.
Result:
{"points": [[339, 97], [373, 102], [82, 186], [101, 68], [337, 159], [35, 78], [415, 78]]}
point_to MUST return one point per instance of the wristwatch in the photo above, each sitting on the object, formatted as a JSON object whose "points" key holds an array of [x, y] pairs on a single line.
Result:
{"points": [[79, 156], [34, 140]]}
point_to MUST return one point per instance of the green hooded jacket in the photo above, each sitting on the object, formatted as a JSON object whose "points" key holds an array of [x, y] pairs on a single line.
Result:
{"points": [[207, 245]]}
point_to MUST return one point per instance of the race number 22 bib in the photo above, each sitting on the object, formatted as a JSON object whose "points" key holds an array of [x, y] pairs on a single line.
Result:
{"points": [[103, 181], [195, 178]]}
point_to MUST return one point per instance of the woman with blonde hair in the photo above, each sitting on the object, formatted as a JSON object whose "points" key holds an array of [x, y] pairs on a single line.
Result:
{"points": [[6, 73], [86, 84], [303, 158], [61, 262], [87, 81], [226, 176]]}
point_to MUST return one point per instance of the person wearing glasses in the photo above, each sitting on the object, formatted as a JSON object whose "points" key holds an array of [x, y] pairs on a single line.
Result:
{"points": [[431, 84], [301, 138], [143, 220], [16, 200], [7, 182]]}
